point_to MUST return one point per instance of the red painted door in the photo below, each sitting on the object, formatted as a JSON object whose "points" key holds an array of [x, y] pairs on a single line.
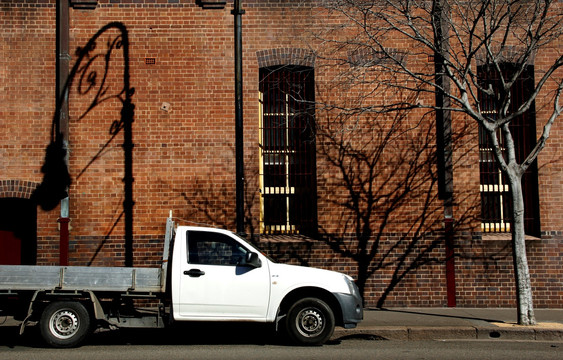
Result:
{"points": [[18, 231], [10, 248]]}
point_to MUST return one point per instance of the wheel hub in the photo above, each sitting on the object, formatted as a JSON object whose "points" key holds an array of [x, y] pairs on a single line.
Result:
{"points": [[310, 322], [64, 324]]}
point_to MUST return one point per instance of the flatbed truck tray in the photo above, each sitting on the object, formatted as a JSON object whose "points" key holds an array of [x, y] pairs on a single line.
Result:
{"points": [[15, 278]]}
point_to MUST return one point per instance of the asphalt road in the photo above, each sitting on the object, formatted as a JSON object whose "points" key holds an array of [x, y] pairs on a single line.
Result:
{"points": [[347, 349], [247, 342]]}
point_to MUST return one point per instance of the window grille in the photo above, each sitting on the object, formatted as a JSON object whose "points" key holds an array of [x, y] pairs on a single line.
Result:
{"points": [[287, 150], [496, 204]]}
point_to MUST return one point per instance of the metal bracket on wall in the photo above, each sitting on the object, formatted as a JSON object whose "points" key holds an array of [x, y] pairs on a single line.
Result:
{"points": [[84, 4], [211, 4]]}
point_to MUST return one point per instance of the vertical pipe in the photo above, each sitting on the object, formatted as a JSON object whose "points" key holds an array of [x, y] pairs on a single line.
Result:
{"points": [[128, 202], [62, 65], [450, 263], [239, 133], [127, 116], [440, 19], [441, 15]]}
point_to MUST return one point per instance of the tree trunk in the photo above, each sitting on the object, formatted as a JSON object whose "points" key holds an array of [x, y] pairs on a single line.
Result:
{"points": [[521, 271]]}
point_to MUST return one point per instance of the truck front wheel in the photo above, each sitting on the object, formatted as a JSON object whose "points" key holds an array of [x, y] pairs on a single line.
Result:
{"points": [[310, 321], [64, 324]]}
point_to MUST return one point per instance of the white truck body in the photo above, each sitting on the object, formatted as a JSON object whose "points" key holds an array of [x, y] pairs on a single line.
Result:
{"points": [[214, 276]]}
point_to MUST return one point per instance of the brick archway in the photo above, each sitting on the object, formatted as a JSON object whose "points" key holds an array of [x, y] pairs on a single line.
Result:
{"points": [[17, 188], [285, 56]]}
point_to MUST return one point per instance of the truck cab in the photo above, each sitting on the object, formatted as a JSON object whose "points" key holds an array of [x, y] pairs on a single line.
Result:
{"points": [[218, 276]]}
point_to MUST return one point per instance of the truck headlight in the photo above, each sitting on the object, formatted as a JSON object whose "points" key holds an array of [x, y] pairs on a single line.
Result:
{"points": [[351, 285]]}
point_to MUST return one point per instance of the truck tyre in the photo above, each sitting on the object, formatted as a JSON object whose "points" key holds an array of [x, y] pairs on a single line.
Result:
{"points": [[310, 321], [65, 324]]}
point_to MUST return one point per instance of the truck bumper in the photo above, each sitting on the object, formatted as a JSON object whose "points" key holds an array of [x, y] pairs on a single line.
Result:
{"points": [[352, 309]]}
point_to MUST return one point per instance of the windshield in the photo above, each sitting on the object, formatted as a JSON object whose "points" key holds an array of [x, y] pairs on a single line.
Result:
{"points": [[254, 247]]}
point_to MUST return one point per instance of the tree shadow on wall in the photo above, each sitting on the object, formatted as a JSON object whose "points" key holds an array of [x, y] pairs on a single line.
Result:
{"points": [[209, 200], [386, 218], [99, 76]]}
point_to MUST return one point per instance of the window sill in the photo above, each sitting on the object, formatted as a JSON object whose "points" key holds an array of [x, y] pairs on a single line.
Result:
{"points": [[504, 237], [284, 238]]}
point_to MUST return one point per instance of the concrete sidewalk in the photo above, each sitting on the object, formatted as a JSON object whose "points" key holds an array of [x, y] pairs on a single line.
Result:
{"points": [[454, 323]]}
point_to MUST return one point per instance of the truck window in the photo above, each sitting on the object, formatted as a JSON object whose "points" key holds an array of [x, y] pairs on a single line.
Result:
{"points": [[208, 248]]}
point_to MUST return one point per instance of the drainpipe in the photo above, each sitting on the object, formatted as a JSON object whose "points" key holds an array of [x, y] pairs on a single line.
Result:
{"points": [[239, 133], [441, 16], [62, 65]]}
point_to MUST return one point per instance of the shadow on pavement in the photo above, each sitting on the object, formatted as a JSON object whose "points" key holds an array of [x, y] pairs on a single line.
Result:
{"points": [[437, 315], [190, 334], [180, 334]]}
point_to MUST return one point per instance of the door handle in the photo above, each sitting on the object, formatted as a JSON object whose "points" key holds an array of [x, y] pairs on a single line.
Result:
{"points": [[194, 273]]}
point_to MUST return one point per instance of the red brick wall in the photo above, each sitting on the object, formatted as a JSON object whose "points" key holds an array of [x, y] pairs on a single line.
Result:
{"points": [[183, 159], [484, 271]]}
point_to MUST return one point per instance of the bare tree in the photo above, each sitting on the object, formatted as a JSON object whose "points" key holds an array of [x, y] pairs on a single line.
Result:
{"points": [[392, 42]]}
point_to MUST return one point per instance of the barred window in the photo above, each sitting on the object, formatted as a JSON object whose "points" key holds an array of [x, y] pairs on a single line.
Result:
{"points": [[287, 150], [496, 204]]}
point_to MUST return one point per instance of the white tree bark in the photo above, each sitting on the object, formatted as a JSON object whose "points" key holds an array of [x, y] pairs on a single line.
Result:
{"points": [[525, 304]]}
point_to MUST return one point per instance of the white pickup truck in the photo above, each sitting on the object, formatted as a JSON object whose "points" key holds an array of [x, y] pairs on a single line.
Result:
{"points": [[214, 276]]}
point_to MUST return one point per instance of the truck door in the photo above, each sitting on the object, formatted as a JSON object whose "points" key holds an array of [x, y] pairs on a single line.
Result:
{"points": [[215, 283]]}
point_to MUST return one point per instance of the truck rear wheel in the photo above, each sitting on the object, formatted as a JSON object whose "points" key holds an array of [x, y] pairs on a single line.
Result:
{"points": [[310, 321], [65, 324]]}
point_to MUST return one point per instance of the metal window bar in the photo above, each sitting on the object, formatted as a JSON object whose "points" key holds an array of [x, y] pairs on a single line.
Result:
{"points": [[496, 205], [287, 151]]}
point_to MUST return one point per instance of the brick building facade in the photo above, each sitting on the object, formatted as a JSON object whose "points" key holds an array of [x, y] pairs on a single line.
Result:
{"points": [[181, 66]]}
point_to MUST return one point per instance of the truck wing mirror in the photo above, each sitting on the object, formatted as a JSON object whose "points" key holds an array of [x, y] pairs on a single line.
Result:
{"points": [[252, 260]]}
